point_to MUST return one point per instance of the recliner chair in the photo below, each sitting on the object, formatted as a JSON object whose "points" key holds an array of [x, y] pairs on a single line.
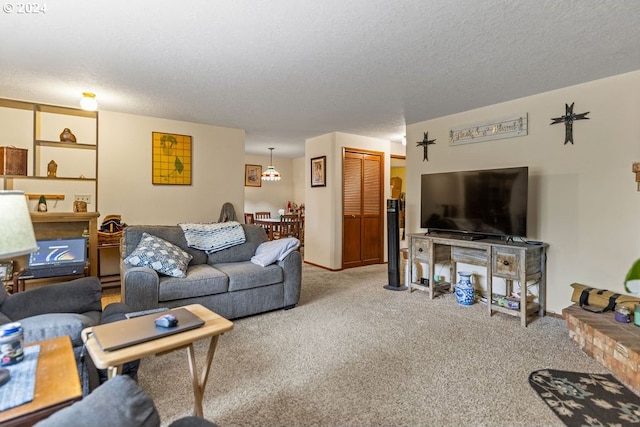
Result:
{"points": [[63, 309]]}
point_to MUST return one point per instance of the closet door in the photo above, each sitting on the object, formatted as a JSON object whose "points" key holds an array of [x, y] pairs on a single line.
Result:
{"points": [[363, 238]]}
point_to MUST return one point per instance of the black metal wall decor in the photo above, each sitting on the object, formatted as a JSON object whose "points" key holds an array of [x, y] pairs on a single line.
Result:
{"points": [[425, 143], [568, 119]]}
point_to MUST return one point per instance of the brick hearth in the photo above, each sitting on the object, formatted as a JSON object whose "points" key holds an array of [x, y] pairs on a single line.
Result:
{"points": [[614, 344]]}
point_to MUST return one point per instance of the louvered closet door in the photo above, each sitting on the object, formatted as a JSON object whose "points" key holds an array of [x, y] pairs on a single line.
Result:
{"points": [[362, 207]]}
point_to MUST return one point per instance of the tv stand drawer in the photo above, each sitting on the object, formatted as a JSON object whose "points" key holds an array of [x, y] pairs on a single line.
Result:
{"points": [[473, 256]]}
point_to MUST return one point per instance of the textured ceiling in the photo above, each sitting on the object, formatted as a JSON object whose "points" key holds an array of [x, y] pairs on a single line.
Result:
{"points": [[288, 70]]}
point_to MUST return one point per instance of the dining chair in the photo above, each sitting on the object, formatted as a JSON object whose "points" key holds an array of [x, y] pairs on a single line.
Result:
{"points": [[289, 227], [248, 218], [262, 215]]}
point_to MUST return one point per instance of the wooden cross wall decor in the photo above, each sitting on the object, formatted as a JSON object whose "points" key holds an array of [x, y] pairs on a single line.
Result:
{"points": [[568, 119], [425, 143]]}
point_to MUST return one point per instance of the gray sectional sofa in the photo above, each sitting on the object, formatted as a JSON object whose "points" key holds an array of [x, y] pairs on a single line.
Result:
{"points": [[226, 281]]}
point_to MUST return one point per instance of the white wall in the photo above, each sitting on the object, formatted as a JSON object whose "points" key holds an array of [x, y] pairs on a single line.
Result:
{"points": [[298, 180], [271, 196], [323, 214], [125, 171], [583, 199]]}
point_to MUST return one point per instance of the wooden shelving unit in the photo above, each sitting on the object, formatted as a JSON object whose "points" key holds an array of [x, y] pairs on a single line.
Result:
{"points": [[46, 122], [37, 127]]}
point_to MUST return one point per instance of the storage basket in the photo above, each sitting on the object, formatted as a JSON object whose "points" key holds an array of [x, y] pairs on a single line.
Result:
{"points": [[109, 238]]}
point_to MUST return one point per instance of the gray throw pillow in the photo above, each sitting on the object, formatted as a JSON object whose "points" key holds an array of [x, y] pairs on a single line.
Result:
{"points": [[160, 255]]}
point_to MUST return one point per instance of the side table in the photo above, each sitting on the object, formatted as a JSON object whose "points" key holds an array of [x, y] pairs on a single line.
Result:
{"points": [[57, 384], [214, 326]]}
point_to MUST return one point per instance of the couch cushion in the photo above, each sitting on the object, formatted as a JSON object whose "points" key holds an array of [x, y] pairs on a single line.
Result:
{"points": [[162, 256], [254, 235], [171, 233], [246, 275], [201, 280]]}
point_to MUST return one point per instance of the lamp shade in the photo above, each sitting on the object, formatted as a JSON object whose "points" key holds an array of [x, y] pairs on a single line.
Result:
{"points": [[271, 174], [16, 230]]}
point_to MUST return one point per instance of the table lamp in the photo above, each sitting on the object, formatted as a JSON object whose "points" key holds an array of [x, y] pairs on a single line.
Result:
{"points": [[16, 235], [16, 230]]}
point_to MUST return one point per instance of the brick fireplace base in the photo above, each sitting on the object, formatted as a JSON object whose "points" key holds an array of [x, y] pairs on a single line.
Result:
{"points": [[614, 344]]}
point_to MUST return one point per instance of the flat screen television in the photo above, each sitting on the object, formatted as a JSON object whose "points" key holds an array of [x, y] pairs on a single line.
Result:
{"points": [[478, 203]]}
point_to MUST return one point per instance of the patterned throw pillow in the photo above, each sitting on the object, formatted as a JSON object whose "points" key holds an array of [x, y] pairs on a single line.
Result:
{"points": [[160, 255]]}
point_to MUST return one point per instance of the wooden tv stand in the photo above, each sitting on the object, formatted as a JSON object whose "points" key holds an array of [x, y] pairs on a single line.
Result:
{"points": [[512, 261]]}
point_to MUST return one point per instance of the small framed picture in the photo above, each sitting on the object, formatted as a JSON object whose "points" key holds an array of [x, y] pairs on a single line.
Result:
{"points": [[6, 270], [252, 176], [319, 171]]}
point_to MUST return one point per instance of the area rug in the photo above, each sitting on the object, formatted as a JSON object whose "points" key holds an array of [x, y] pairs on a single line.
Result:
{"points": [[580, 399]]}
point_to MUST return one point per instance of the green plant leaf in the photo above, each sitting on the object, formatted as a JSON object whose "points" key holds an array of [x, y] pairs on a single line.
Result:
{"points": [[178, 164]]}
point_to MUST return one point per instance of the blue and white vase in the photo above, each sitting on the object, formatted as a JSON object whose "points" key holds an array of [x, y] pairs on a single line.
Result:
{"points": [[465, 291]]}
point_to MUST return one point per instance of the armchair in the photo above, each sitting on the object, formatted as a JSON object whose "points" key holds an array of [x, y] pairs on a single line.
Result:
{"points": [[58, 310]]}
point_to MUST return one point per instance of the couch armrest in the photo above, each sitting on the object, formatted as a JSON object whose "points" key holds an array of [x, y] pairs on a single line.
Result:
{"points": [[47, 326], [118, 402], [292, 270], [75, 296], [140, 287]]}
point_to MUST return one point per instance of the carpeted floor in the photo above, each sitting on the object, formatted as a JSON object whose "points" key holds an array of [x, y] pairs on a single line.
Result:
{"points": [[355, 354]]}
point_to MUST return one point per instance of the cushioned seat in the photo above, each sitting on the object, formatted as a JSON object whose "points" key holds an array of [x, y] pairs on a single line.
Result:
{"points": [[201, 280], [248, 276], [62, 309]]}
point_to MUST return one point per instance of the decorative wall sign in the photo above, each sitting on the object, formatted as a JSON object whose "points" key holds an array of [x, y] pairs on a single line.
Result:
{"points": [[568, 119], [425, 143], [508, 127], [171, 154]]}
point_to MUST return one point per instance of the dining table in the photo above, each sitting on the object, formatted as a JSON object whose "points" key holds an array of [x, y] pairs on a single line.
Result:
{"points": [[269, 224]]}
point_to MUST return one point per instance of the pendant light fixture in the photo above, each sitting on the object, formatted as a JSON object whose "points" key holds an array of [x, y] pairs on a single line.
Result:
{"points": [[271, 174], [88, 101]]}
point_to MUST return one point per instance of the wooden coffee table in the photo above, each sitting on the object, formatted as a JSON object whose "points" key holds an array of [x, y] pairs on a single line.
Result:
{"points": [[57, 384], [214, 326]]}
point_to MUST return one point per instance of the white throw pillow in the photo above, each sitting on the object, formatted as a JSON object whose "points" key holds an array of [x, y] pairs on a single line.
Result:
{"points": [[275, 250]]}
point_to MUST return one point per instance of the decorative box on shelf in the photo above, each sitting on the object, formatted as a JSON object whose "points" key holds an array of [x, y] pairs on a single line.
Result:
{"points": [[13, 161]]}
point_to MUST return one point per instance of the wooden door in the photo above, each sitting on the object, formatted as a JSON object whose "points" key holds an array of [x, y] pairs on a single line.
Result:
{"points": [[363, 220]]}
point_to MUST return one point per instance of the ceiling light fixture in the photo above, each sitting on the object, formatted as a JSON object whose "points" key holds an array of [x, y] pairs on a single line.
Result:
{"points": [[271, 174], [88, 101]]}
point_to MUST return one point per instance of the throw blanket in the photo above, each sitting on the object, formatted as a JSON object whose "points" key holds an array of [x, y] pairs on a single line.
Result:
{"points": [[213, 237], [275, 250]]}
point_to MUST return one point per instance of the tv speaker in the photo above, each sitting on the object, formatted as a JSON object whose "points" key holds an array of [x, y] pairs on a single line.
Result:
{"points": [[393, 245]]}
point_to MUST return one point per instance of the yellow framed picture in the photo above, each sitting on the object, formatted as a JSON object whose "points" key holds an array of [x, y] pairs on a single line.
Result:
{"points": [[252, 175], [171, 159]]}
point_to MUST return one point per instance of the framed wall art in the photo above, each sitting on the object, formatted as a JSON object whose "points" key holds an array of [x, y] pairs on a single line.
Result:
{"points": [[319, 171], [171, 159], [252, 176]]}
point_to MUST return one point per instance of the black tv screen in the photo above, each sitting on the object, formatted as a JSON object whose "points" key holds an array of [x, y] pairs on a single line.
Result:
{"points": [[489, 202]]}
